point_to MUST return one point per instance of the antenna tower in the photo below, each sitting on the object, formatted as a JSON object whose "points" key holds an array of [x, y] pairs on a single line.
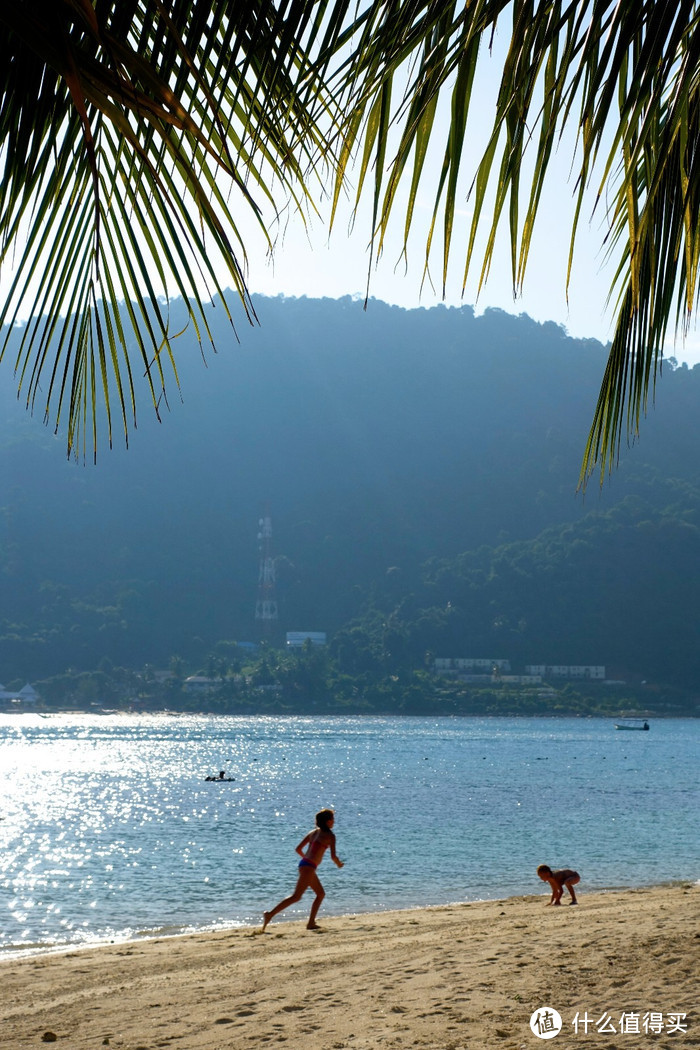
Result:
{"points": [[266, 605]]}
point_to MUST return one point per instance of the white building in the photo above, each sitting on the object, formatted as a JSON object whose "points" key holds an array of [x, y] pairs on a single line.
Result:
{"points": [[521, 679], [471, 665], [590, 672], [199, 683], [27, 694]]}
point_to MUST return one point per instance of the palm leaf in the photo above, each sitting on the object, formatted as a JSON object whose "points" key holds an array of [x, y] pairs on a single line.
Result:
{"points": [[625, 75], [119, 123], [119, 120]]}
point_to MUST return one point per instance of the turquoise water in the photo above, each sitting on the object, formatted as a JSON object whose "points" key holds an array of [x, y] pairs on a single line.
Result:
{"points": [[110, 831]]}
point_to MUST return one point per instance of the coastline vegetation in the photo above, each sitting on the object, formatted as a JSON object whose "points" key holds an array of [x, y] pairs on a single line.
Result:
{"points": [[309, 681]]}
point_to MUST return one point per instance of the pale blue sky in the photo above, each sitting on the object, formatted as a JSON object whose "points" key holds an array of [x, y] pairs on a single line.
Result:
{"points": [[319, 265]]}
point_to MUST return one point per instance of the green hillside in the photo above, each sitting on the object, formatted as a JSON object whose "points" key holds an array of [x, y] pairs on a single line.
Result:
{"points": [[420, 468]]}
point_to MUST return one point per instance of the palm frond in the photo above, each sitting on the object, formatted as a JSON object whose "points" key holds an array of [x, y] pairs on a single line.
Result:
{"points": [[624, 74], [131, 134]]}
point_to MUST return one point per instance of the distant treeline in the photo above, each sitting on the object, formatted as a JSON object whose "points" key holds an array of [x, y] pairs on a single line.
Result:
{"points": [[310, 681]]}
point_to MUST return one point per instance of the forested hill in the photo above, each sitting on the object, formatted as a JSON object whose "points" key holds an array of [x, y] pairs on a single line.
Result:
{"points": [[391, 448]]}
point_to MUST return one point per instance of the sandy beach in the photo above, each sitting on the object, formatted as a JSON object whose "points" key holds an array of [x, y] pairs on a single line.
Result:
{"points": [[444, 978]]}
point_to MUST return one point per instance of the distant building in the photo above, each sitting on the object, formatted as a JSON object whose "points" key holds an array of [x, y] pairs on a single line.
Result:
{"points": [[199, 683], [482, 668], [27, 694], [521, 679], [297, 638], [460, 665], [591, 672]]}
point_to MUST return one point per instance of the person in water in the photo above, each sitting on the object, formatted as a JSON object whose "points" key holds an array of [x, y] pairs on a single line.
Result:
{"points": [[558, 880], [311, 850]]}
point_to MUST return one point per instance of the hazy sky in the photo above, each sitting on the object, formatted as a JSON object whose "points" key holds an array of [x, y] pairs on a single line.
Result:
{"points": [[319, 265], [337, 265]]}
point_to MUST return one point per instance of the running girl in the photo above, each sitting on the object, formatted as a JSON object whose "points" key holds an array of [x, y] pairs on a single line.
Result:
{"points": [[315, 845]]}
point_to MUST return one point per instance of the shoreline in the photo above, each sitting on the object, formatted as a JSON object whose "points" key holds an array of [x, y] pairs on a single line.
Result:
{"points": [[441, 977], [147, 935], [658, 716]]}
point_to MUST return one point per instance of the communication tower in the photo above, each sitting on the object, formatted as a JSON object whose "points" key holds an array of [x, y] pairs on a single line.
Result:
{"points": [[266, 605]]}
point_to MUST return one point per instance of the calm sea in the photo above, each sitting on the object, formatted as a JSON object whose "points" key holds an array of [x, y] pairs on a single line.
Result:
{"points": [[109, 830]]}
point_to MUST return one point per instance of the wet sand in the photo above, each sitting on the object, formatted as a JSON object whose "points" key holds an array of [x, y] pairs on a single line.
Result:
{"points": [[463, 977]]}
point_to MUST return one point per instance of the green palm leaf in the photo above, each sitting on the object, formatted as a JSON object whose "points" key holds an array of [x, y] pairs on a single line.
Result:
{"points": [[119, 122], [625, 75]]}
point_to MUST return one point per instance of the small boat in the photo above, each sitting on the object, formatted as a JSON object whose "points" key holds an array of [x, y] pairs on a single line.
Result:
{"points": [[640, 723]]}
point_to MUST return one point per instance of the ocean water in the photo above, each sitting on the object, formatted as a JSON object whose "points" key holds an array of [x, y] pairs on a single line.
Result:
{"points": [[109, 831]]}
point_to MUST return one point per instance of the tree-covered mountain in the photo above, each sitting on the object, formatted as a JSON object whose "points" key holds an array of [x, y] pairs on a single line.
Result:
{"points": [[420, 468], [618, 588]]}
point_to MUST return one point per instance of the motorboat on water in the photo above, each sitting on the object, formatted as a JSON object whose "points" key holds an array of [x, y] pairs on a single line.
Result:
{"points": [[637, 723]]}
